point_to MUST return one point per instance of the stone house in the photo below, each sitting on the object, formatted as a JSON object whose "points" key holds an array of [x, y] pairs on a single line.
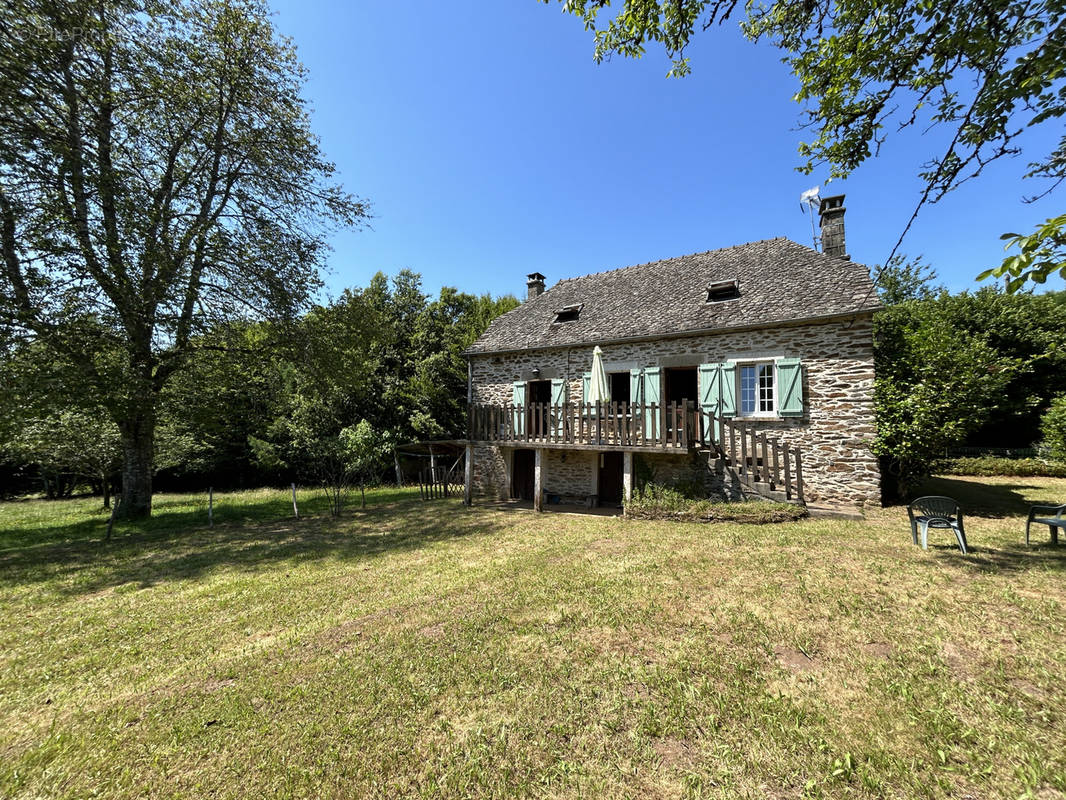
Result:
{"points": [[741, 371]]}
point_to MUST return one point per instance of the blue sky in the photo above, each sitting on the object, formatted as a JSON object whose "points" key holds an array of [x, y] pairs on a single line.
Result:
{"points": [[491, 145]]}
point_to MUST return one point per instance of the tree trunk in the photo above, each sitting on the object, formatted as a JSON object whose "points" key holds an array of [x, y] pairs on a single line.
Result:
{"points": [[138, 444]]}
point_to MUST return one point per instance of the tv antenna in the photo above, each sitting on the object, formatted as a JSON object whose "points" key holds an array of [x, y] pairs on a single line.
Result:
{"points": [[808, 201]]}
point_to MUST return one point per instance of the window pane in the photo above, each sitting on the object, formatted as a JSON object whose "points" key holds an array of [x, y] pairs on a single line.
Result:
{"points": [[747, 390], [766, 388]]}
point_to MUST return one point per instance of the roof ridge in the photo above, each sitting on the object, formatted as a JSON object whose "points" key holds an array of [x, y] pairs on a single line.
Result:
{"points": [[674, 258]]}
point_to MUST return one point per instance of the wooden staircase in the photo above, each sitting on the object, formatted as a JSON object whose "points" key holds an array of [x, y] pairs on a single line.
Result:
{"points": [[759, 464]]}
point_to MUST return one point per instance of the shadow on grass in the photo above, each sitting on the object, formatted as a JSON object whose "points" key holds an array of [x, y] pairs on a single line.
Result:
{"points": [[1040, 557], [158, 556], [87, 520], [983, 499]]}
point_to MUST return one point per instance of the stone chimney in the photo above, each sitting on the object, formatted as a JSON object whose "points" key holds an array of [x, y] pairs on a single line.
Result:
{"points": [[534, 285], [831, 221]]}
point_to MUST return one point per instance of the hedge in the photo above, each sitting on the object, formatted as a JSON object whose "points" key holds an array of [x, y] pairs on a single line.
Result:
{"points": [[988, 466]]}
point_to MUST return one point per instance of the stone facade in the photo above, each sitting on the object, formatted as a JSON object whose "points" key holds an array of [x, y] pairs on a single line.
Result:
{"points": [[835, 431], [492, 472]]}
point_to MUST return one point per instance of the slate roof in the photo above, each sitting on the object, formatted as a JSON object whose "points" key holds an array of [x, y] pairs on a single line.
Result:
{"points": [[780, 281]]}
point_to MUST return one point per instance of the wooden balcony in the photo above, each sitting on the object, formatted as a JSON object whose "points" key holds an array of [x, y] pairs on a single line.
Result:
{"points": [[588, 426], [763, 464]]}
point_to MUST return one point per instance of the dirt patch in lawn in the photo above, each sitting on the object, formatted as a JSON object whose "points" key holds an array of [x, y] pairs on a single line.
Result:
{"points": [[880, 650], [432, 631], [1029, 689], [675, 752], [342, 636], [961, 660], [608, 546], [793, 660], [218, 684]]}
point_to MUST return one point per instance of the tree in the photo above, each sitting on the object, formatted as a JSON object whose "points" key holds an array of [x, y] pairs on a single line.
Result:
{"points": [[225, 398], [158, 175], [935, 384], [974, 368], [335, 461], [1053, 428], [366, 450], [983, 71], [437, 384], [1040, 254], [52, 423], [69, 448], [902, 279], [1027, 328]]}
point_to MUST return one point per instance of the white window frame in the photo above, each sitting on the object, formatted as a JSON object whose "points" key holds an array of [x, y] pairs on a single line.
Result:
{"points": [[740, 364]]}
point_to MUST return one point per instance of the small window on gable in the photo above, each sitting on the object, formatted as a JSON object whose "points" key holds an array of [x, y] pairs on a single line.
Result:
{"points": [[723, 290], [568, 313]]}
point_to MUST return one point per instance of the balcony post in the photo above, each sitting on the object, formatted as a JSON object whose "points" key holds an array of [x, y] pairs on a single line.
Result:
{"points": [[468, 477], [538, 484], [627, 475]]}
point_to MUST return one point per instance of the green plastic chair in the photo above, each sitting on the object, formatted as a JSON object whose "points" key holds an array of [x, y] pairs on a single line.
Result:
{"points": [[942, 513], [1054, 520]]}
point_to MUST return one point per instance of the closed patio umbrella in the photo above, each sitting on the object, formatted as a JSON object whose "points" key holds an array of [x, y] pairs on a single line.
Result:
{"points": [[599, 392]]}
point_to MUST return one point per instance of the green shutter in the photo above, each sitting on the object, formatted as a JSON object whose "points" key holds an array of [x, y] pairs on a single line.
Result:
{"points": [[558, 391], [729, 390], [518, 397], [710, 396], [636, 386], [789, 387], [652, 394], [558, 400]]}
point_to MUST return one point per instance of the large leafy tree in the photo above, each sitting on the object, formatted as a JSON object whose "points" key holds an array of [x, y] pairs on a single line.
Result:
{"points": [[935, 385], [1028, 328], [158, 175], [52, 422], [982, 70], [212, 411], [260, 399], [973, 368], [437, 384]]}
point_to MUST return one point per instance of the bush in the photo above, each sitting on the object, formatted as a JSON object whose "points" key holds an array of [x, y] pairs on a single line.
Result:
{"points": [[989, 466], [1053, 429], [662, 502]]}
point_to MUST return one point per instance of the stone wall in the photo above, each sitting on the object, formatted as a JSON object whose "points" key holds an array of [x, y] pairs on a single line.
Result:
{"points": [[571, 474], [834, 433], [492, 476]]}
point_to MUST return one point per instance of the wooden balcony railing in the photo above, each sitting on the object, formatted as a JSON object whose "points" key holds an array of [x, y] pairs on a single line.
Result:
{"points": [[672, 426], [763, 463]]}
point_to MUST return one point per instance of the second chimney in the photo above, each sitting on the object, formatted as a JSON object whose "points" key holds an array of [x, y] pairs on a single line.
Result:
{"points": [[831, 221], [534, 285]]}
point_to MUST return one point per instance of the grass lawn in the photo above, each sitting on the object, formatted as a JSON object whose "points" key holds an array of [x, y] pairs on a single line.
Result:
{"points": [[433, 650]]}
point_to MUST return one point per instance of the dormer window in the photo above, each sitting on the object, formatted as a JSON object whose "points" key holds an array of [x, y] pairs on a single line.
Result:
{"points": [[723, 290], [568, 313]]}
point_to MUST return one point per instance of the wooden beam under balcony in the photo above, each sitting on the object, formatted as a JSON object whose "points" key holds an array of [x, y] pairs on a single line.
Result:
{"points": [[599, 448]]}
